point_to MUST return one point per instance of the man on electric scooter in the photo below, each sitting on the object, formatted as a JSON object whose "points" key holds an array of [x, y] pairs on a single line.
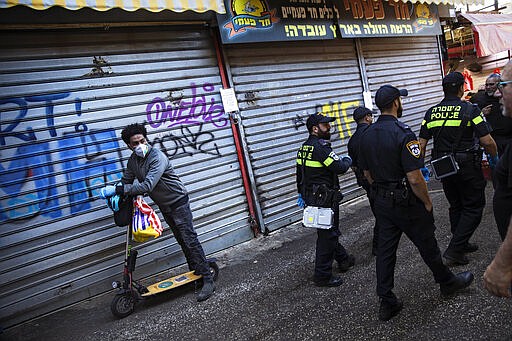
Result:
{"points": [[157, 178]]}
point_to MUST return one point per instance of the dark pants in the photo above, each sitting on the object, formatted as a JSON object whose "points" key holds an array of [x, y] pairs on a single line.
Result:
{"points": [[502, 207], [418, 226], [328, 248], [180, 220], [465, 192], [367, 187]]}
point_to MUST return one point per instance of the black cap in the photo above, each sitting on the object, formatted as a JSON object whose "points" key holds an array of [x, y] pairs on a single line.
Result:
{"points": [[453, 79], [361, 112], [315, 119], [387, 94]]}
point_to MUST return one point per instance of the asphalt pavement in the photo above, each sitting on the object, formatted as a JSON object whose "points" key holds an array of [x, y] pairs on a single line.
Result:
{"points": [[265, 292]]}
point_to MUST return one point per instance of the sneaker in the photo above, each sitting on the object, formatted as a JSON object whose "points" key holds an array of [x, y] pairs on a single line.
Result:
{"points": [[347, 263], [387, 310], [207, 290], [331, 282]]}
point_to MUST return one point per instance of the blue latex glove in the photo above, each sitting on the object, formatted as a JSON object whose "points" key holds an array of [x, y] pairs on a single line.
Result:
{"points": [[493, 160], [426, 173], [113, 203], [107, 191], [300, 202]]}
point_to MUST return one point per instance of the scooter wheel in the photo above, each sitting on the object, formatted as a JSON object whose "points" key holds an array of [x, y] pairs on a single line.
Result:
{"points": [[214, 269], [123, 304]]}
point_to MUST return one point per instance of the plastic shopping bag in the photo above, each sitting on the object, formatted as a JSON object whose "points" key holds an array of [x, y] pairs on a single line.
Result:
{"points": [[145, 221]]}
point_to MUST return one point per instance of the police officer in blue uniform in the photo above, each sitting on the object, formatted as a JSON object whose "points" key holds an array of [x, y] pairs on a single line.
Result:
{"points": [[465, 191], [318, 167], [363, 117], [391, 161]]}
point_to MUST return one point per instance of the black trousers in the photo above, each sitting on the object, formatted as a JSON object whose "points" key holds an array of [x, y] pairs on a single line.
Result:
{"points": [[418, 225], [328, 248], [180, 221], [502, 207], [367, 187], [465, 191]]}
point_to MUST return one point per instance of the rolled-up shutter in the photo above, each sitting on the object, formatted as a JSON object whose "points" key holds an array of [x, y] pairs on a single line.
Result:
{"points": [[278, 85], [65, 96], [411, 63]]}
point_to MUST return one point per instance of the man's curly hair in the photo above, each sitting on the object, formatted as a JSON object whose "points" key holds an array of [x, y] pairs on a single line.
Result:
{"points": [[133, 129]]}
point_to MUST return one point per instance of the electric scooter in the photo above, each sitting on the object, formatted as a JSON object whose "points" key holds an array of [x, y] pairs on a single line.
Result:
{"points": [[131, 291]]}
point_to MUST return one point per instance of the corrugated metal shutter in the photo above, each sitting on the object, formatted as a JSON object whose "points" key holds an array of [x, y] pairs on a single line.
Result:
{"points": [[278, 85], [411, 63], [65, 96]]}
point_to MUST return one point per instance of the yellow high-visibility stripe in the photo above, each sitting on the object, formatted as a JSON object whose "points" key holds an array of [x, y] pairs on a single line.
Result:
{"points": [[328, 161], [478, 119], [312, 164], [449, 123]]}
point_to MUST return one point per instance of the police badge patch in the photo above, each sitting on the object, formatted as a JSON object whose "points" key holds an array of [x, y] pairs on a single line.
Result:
{"points": [[334, 156], [414, 148]]}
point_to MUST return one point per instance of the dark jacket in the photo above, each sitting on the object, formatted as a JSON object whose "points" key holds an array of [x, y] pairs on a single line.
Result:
{"points": [[443, 123], [156, 177], [321, 165]]}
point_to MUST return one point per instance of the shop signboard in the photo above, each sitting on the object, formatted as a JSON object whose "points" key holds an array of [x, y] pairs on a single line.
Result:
{"points": [[370, 18], [248, 21]]}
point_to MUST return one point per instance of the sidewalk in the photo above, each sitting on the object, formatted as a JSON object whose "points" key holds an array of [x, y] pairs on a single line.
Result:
{"points": [[265, 292]]}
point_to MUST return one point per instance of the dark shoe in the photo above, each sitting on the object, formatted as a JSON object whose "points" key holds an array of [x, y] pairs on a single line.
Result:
{"points": [[461, 281], [387, 310], [456, 258], [346, 264], [469, 247], [331, 282], [207, 290]]}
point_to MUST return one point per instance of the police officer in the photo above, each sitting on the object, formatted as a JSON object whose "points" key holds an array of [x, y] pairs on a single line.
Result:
{"points": [[363, 117], [318, 167], [391, 161], [465, 191]]}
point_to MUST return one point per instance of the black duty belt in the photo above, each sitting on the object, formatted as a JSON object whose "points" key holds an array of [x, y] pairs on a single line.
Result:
{"points": [[465, 157]]}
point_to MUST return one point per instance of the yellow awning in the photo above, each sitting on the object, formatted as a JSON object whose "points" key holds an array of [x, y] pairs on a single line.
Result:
{"points": [[448, 2], [127, 5]]}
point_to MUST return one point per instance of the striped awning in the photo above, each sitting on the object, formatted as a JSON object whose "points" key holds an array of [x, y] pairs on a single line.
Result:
{"points": [[448, 2], [128, 5]]}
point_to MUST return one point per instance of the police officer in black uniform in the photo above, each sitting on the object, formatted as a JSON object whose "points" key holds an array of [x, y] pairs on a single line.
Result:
{"points": [[363, 117], [391, 161], [465, 190], [318, 167]]}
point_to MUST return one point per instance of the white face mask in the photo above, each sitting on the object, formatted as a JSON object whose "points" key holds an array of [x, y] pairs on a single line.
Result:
{"points": [[141, 150]]}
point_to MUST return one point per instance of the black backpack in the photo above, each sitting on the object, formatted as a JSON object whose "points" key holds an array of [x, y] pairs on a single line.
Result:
{"points": [[123, 209]]}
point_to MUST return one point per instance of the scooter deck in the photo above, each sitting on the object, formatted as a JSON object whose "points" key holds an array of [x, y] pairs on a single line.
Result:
{"points": [[171, 283]]}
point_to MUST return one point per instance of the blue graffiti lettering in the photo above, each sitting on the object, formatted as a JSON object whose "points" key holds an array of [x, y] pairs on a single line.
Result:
{"points": [[8, 131], [31, 162], [84, 178]]}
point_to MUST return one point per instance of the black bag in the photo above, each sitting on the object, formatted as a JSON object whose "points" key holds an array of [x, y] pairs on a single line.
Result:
{"points": [[444, 166], [123, 209]]}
